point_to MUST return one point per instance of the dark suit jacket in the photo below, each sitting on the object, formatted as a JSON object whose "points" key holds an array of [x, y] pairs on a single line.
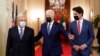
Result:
{"points": [[98, 36], [17, 46], [86, 36], [51, 42]]}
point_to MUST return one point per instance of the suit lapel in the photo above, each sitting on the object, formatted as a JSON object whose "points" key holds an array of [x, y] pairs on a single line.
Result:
{"points": [[45, 28], [83, 26], [25, 33], [52, 29], [17, 33], [53, 26], [76, 30]]}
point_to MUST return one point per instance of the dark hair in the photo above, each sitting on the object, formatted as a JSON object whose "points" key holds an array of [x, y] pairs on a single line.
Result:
{"points": [[79, 10]]}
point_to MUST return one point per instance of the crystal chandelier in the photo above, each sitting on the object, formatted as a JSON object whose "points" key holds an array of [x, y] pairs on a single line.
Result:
{"points": [[57, 4]]}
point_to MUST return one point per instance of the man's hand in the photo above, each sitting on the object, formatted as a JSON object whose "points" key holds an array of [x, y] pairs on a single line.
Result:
{"points": [[82, 47], [71, 36], [76, 47]]}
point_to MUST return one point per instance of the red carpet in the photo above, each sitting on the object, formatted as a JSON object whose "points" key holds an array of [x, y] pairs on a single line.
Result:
{"points": [[66, 50]]}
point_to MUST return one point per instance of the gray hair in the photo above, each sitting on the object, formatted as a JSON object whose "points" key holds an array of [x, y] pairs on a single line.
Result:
{"points": [[20, 15]]}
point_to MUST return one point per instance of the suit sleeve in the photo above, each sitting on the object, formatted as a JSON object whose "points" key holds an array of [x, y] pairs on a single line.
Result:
{"points": [[70, 30], [64, 32], [32, 39], [38, 36], [8, 46], [32, 35], [91, 35]]}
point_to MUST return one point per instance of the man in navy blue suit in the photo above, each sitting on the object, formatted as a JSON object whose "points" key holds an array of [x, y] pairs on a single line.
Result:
{"points": [[83, 32], [51, 30]]}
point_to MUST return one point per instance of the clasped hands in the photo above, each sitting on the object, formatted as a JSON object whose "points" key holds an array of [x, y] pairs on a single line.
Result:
{"points": [[82, 47]]}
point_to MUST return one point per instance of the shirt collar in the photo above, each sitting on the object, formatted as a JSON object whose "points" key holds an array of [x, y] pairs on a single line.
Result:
{"points": [[51, 22], [20, 28], [80, 20]]}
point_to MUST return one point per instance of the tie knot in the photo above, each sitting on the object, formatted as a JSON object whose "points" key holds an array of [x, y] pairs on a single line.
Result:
{"points": [[78, 21], [49, 23], [20, 28]]}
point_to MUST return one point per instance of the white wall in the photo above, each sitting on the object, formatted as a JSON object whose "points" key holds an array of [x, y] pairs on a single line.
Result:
{"points": [[3, 26], [35, 9], [96, 7]]}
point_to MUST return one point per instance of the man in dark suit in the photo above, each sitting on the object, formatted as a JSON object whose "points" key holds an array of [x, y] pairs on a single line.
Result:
{"points": [[83, 32], [51, 30], [20, 39], [98, 36]]}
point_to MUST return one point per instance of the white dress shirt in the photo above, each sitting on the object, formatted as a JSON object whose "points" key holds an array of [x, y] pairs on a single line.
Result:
{"points": [[51, 24], [19, 29], [81, 24]]}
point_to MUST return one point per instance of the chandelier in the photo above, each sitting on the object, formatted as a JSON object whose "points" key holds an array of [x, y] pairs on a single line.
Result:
{"points": [[57, 4]]}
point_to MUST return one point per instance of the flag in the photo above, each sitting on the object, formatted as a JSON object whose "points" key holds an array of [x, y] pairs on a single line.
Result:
{"points": [[60, 19], [16, 14], [13, 21]]}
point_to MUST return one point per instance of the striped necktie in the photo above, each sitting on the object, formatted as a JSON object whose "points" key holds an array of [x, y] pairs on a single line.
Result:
{"points": [[48, 28], [78, 27], [21, 33]]}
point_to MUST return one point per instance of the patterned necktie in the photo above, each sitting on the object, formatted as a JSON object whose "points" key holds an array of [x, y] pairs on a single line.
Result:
{"points": [[48, 28], [21, 33], [78, 28]]}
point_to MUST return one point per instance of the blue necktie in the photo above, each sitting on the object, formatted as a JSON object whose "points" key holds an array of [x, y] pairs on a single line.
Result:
{"points": [[48, 28], [21, 33]]}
